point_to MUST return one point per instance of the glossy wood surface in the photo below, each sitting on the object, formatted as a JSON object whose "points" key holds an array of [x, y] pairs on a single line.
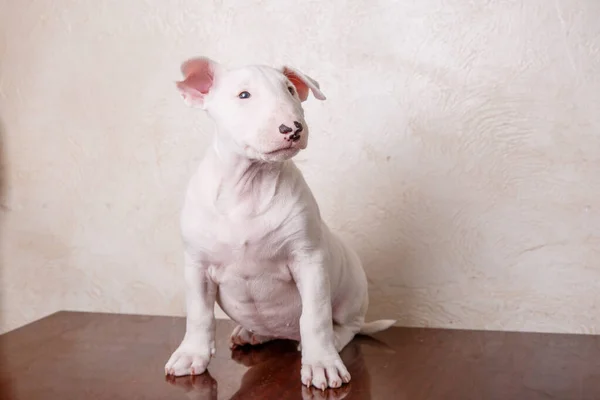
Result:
{"points": [[100, 356]]}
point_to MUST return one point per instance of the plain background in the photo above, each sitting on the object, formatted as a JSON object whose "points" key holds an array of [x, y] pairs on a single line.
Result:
{"points": [[458, 150]]}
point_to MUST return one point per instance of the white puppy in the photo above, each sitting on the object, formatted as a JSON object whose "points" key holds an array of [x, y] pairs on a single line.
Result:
{"points": [[254, 239]]}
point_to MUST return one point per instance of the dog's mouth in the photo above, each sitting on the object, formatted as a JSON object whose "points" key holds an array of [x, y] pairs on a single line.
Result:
{"points": [[281, 154], [283, 150]]}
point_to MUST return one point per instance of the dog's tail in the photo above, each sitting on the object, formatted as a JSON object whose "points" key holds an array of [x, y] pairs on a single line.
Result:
{"points": [[376, 326]]}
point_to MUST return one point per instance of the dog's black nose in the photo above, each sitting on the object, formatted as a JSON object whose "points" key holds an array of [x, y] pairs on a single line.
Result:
{"points": [[284, 129]]}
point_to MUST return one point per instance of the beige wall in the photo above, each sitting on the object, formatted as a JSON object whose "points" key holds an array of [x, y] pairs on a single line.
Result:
{"points": [[461, 142]]}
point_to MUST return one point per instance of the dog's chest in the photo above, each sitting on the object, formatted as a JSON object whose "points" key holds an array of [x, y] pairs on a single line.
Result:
{"points": [[254, 216], [239, 236], [246, 238]]}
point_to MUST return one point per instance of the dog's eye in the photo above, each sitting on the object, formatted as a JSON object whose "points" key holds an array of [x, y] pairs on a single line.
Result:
{"points": [[291, 90], [244, 95]]}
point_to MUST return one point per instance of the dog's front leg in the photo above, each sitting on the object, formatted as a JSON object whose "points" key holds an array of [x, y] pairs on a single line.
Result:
{"points": [[198, 345], [322, 366]]}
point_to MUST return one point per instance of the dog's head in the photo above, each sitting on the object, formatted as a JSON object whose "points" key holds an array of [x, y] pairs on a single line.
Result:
{"points": [[257, 109]]}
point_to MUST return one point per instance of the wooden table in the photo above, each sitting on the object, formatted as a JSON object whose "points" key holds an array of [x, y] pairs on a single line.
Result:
{"points": [[101, 356]]}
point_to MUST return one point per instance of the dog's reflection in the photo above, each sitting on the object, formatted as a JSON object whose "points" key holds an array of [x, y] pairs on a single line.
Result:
{"points": [[196, 387], [274, 373]]}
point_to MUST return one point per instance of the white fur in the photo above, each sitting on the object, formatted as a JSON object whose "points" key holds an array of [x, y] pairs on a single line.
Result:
{"points": [[254, 239]]}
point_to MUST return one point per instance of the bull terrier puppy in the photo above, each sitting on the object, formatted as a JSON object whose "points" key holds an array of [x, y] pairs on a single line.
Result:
{"points": [[254, 240]]}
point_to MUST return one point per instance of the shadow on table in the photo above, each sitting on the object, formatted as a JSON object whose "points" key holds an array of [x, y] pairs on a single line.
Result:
{"points": [[274, 373]]}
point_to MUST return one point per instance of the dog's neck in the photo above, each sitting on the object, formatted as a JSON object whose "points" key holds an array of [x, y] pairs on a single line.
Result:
{"points": [[243, 180]]}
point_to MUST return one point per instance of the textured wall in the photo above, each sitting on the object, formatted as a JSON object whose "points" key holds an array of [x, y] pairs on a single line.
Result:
{"points": [[460, 140]]}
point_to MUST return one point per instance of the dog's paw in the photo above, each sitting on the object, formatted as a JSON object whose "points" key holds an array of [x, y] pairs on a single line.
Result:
{"points": [[241, 337], [189, 359], [326, 372]]}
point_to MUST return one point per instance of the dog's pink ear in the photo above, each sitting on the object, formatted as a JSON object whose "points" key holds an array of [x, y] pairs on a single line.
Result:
{"points": [[303, 83], [199, 77]]}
